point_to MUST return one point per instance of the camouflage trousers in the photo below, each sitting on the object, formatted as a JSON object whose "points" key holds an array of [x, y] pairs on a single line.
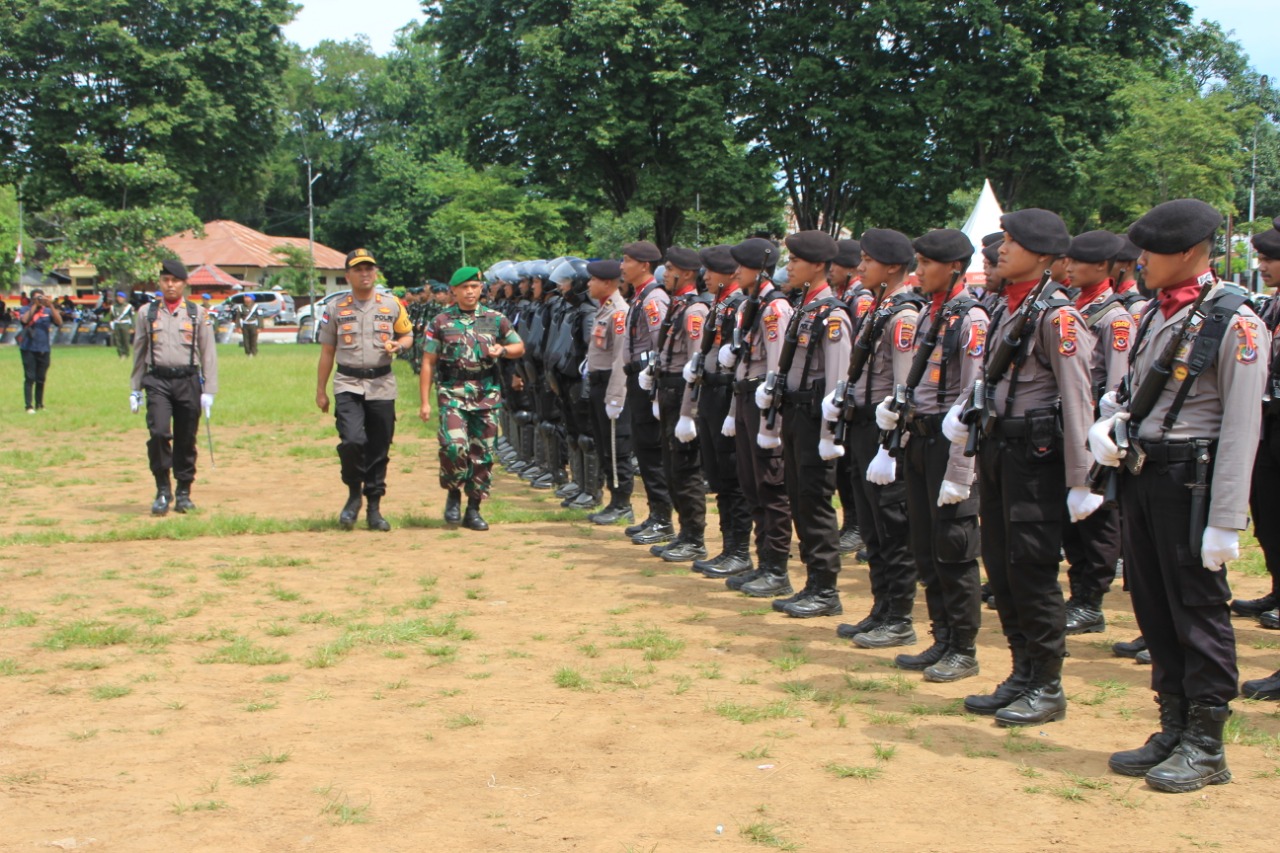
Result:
{"points": [[466, 449]]}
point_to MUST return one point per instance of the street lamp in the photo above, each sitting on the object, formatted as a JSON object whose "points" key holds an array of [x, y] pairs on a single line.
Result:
{"points": [[311, 240]]}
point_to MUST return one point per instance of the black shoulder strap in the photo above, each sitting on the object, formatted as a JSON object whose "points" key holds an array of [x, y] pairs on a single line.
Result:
{"points": [[1093, 313], [822, 309], [1204, 351], [950, 343]]}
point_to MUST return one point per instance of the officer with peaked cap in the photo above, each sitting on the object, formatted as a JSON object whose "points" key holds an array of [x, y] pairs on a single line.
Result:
{"points": [[607, 382], [1184, 508]]}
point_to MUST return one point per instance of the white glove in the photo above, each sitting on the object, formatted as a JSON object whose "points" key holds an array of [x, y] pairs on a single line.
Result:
{"points": [[645, 378], [656, 410], [582, 369], [686, 429], [952, 493], [830, 412], [1104, 450], [688, 372], [1081, 503], [730, 427], [828, 449], [1108, 405], [762, 399], [613, 410], [135, 401], [886, 419], [956, 431], [1219, 545], [206, 403], [726, 356], [768, 442], [883, 468]]}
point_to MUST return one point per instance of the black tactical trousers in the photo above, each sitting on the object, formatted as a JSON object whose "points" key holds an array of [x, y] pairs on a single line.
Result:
{"points": [[621, 435], [882, 520], [944, 540], [1092, 547], [173, 420], [762, 476], [811, 481], [1021, 492], [1181, 606], [1264, 496], [844, 487], [682, 465], [720, 462], [365, 431], [646, 435]]}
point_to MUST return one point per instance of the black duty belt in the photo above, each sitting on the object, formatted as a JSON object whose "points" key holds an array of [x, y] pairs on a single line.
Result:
{"points": [[926, 425], [799, 398], [173, 372], [635, 367], [454, 374], [1164, 452], [364, 372], [747, 386], [717, 380], [671, 380]]}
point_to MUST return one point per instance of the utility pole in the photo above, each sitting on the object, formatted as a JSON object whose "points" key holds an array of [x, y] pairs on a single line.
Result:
{"points": [[311, 241], [1253, 185], [463, 238]]}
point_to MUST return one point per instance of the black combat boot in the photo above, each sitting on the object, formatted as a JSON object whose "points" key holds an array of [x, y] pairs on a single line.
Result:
{"points": [[1262, 688], [182, 498], [931, 655], [1130, 649], [1270, 619], [737, 582], [726, 540], [823, 599], [956, 664], [351, 509], [1006, 691], [1042, 701], [850, 539], [692, 548], [1084, 615], [773, 581], [656, 513], [1255, 606], [164, 496], [879, 610], [373, 515], [736, 559], [612, 514], [1159, 746], [452, 507], [472, 519], [896, 630], [1198, 759], [657, 530]]}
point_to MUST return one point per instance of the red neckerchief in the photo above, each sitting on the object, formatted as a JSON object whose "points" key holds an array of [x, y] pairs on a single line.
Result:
{"points": [[688, 288], [172, 307], [727, 291], [640, 290], [1127, 285], [814, 294], [942, 297], [1175, 297], [1014, 294], [1090, 294]]}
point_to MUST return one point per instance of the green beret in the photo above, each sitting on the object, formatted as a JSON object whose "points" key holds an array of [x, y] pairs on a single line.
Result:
{"points": [[465, 275]]}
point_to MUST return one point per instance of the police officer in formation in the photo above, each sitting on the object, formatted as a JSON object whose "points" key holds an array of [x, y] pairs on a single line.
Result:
{"points": [[846, 284]]}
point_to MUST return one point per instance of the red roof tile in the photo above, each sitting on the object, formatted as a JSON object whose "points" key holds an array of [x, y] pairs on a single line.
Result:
{"points": [[230, 244]]}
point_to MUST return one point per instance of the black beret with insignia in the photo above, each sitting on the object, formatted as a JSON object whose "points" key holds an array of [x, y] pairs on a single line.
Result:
{"points": [[993, 237], [1268, 243], [991, 251], [755, 253], [606, 269], [1175, 226], [814, 246], [848, 254], [719, 259], [1094, 247], [887, 246], [174, 267], [1037, 230], [643, 250], [944, 245], [685, 259]]}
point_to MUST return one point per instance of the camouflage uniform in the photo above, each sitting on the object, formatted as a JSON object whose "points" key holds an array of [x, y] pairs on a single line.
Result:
{"points": [[468, 393]]}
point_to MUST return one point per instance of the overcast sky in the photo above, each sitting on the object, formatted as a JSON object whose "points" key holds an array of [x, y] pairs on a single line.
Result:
{"points": [[1256, 24]]}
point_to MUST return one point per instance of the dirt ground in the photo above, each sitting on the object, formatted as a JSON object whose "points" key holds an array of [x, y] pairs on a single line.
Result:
{"points": [[545, 686]]}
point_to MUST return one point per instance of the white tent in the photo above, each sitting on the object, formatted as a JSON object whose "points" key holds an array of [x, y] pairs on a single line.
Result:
{"points": [[983, 220]]}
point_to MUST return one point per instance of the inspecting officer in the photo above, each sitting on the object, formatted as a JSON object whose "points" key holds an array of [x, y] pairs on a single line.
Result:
{"points": [[608, 384]]}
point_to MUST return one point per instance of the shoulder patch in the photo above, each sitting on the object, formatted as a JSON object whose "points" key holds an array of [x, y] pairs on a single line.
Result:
{"points": [[1066, 332], [977, 343], [652, 312], [904, 335], [619, 322], [1121, 329], [834, 332], [1247, 333], [863, 304], [771, 326], [694, 326]]}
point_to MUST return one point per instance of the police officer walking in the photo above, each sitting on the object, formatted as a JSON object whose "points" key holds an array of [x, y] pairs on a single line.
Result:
{"points": [[361, 333], [1200, 364], [176, 363], [250, 318], [607, 381], [122, 324], [460, 351]]}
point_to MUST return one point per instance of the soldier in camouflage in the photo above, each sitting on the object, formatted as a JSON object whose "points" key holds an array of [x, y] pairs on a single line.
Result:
{"points": [[460, 351]]}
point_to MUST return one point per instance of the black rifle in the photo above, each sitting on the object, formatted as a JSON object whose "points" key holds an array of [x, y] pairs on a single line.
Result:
{"points": [[746, 321], [700, 357], [775, 383], [663, 331], [904, 395], [860, 353], [981, 414], [1141, 402]]}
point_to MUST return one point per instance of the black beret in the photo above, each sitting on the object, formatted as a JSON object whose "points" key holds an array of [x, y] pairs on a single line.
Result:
{"points": [[1128, 252], [944, 245], [1175, 226], [991, 251], [606, 269], [1094, 247], [1268, 243], [848, 253], [993, 237], [814, 246], [643, 250], [174, 267], [1037, 230], [755, 253], [685, 259], [887, 246], [720, 259]]}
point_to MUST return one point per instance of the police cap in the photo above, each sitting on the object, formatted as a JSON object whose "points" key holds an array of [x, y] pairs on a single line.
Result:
{"points": [[643, 250], [607, 269], [685, 259], [1175, 226], [817, 247], [1037, 230], [993, 237], [755, 253], [1268, 243], [360, 256], [991, 251], [944, 245], [720, 259], [1094, 247], [173, 267], [848, 253], [1128, 252], [887, 246]]}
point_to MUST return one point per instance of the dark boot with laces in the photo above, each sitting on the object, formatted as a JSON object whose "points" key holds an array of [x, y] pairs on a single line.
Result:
{"points": [[1160, 745], [1198, 759]]}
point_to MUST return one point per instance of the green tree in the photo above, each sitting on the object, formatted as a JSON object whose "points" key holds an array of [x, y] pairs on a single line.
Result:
{"points": [[10, 270]]}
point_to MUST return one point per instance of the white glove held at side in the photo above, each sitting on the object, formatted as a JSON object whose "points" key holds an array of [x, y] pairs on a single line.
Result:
{"points": [[1104, 450], [952, 493], [686, 429], [206, 403], [883, 468], [768, 442], [730, 427], [762, 399], [1219, 545], [1081, 502], [613, 410], [645, 378], [135, 401], [688, 372]]}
